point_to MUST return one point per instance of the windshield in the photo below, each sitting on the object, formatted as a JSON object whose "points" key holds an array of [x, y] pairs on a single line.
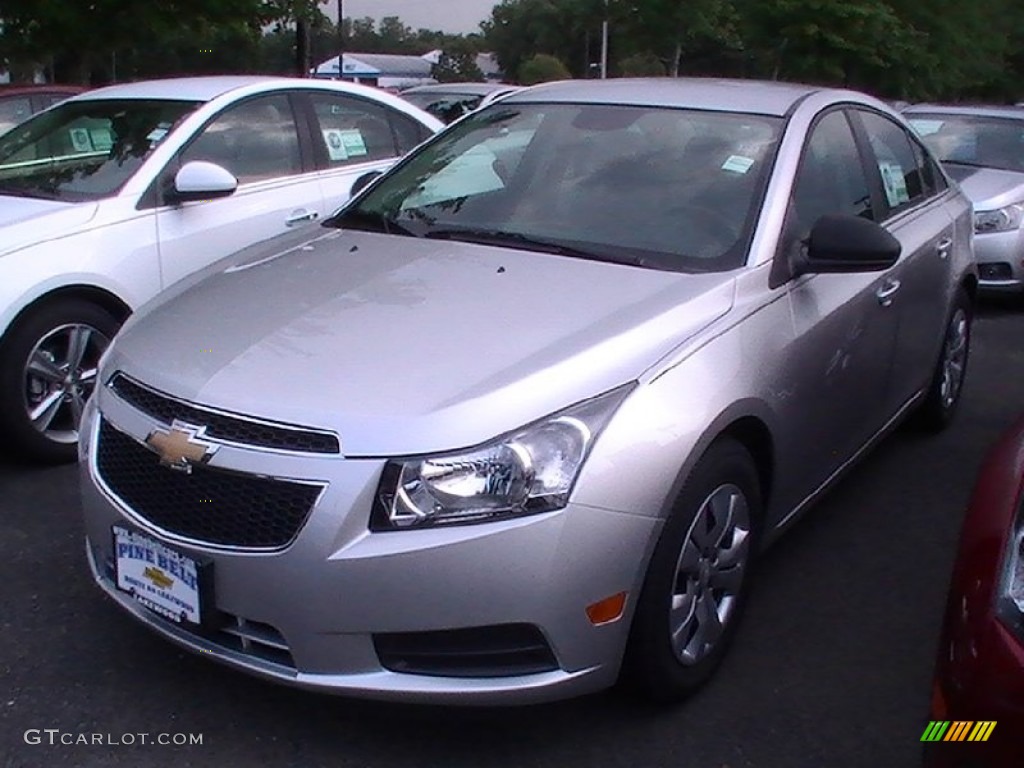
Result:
{"points": [[663, 188], [84, 150], [990, 142], [446, 107]]}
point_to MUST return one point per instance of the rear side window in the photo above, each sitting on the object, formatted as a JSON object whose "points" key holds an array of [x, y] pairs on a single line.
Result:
{"points": [[408, 132], [831, 178], [906, 178], [352, 130]]}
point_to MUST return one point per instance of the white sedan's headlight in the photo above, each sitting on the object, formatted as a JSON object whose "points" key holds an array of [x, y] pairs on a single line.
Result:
{"points": [[1001, 220], [530, 471]]}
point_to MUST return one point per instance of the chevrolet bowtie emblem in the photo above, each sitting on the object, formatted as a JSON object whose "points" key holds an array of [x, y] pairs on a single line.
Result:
{"points": [[181, 447], [158, 577]]}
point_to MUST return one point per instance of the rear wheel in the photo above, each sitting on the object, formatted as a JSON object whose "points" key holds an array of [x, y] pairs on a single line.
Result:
{"points": [[698, 578], [48, 369], [947, 383]]}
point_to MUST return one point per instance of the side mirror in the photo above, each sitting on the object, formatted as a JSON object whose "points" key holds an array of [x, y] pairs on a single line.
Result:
{"points": [[840, 243], [200, 180], [363, 182]]}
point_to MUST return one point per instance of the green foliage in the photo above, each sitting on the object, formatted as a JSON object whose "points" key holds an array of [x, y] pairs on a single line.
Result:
{"points": [[542, 68], [642, 65], [457, 64]]}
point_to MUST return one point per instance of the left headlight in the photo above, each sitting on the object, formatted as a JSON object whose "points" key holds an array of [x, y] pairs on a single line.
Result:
{"points": [[528, 472], [1010, 595], [1001, 220]]}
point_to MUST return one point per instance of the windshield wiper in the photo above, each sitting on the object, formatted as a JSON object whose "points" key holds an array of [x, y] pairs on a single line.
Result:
{"points": [[368, 221], [530, 243]]}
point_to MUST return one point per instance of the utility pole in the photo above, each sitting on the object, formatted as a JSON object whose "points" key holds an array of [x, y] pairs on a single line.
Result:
{"points": [[604, 43], [341, 39]]}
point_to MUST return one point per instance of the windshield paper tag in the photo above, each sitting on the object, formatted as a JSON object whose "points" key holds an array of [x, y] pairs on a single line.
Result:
{"points": [[738, 164]]}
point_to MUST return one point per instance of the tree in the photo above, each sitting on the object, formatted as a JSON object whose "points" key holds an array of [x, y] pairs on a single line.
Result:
{"points": [[542, 68], [457, 64], [642, 65]]}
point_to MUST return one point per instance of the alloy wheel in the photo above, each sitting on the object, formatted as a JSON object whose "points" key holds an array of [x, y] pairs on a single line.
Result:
{"points": [[954, 358], [709, 573], [59, 376]]}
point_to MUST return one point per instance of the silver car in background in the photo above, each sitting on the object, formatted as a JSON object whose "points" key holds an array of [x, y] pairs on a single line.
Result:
{"points": [[515, 425], [983, 149]]}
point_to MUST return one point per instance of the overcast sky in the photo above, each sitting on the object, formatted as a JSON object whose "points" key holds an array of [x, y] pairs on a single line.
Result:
{"points": [[445, 15]]}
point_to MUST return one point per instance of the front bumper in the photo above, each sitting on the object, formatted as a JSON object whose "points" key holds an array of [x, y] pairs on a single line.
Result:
{"points": [[309, 614], [1000, 258]]}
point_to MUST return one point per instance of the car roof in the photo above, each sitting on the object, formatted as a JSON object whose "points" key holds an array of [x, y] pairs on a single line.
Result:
{"points": [[179, 88], [473, 88], [752, 96], [977, 110], [19, 89]]}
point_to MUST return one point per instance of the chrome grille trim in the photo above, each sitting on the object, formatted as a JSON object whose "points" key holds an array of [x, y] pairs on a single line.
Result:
{"points": [[223, 426]]}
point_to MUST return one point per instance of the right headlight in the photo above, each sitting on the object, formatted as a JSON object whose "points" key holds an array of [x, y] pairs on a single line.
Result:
{"points": [[1001, 220], [528, 472], [1010, 594]]}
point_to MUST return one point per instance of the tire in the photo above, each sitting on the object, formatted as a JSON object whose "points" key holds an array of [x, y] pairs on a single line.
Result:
{"points": [[52, 337], [946, 387], [683, 583]]}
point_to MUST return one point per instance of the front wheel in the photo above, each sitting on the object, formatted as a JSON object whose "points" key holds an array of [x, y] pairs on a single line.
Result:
{"points": [[48, 369], [698, 577], [947, 382]]}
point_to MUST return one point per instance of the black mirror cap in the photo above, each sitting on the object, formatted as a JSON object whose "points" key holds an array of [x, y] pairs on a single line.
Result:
{"points": [[843, 243], [363, 182]]}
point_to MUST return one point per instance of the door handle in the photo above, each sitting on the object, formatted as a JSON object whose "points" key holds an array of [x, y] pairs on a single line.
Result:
{"points": [[887, 290], [944, 247], [300, 217]]}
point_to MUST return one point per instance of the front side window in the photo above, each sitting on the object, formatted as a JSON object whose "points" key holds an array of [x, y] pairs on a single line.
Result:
{"points": [[353, 130], [988, 142], [904, 175], [657, 187], [254, 140], [831, 177], [85, 150]]}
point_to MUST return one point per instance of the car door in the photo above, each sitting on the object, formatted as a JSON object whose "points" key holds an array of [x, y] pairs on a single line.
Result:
{"points": [[257, 140], [916, 214], [353, 136], [844, 329]]}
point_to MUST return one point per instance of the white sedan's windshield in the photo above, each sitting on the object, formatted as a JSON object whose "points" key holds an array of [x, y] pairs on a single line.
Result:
{"points": [[990, 142], [666, 188], [84, 150]]}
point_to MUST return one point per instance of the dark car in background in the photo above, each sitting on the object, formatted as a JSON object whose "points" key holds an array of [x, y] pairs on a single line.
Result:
{"points": [[983, 149], [450, 101], [979, 676], [20, 102]]}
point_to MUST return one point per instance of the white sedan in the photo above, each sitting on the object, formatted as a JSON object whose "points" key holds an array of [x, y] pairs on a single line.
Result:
{"points": [[110, 197]]}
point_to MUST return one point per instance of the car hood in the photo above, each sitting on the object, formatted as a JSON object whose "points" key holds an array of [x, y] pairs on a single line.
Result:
{"points": [[24, 221], [407, 346], [988, 188]]}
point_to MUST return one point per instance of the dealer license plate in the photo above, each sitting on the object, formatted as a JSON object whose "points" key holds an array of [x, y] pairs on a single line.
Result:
{"points": [[165, 581]]}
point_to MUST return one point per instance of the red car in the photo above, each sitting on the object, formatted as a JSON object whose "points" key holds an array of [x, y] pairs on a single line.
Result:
{"points": [[19, 102], [979, 677]]}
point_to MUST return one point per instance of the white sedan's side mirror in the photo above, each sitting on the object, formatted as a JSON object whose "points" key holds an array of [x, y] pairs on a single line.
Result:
{"points": [[200, 180]]}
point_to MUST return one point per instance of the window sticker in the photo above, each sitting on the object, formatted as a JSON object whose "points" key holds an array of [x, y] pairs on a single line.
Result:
{"points": [[101, 139], [335, 144], [738, 164], [895, 183], [157, 134], [354, 143], [80, 139]]}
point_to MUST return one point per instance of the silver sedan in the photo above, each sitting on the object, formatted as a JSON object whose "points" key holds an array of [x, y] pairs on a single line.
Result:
{"points": [[516, 423]]}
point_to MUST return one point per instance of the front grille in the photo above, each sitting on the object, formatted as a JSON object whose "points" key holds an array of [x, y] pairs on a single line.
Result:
{"points": [[995, 270], [222, 426], [500, 650], [208, 505]]}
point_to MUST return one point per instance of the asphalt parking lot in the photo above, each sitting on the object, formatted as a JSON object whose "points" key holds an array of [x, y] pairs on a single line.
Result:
{"points": [[832, 667]]}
